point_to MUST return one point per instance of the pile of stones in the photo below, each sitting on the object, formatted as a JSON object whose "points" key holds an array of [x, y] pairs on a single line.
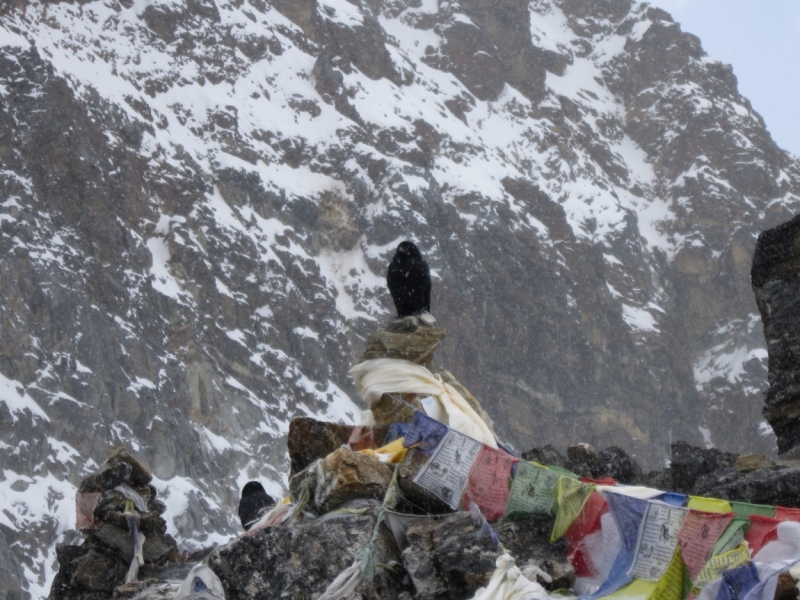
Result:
{"points": [[111, 506]]}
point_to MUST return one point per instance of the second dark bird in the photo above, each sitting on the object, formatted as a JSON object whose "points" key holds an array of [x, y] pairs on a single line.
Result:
{"points": [[254, 504], [409, 281]]}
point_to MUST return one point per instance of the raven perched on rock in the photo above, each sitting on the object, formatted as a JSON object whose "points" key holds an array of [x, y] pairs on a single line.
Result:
{"points": [[254, 503], [409, 281]]}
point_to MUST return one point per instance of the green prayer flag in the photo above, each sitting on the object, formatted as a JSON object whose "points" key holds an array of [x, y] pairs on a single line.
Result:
{"points": [[572, 495], [534, 491]]}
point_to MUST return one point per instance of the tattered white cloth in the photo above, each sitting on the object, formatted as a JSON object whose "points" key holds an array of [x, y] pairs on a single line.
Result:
{"points": [[508, 583], [380, 376]]}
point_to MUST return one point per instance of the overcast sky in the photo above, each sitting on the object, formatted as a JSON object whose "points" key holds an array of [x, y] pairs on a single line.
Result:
{"points": [[761, 39]]}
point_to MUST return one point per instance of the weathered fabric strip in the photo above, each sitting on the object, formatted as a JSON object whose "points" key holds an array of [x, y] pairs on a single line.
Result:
{"points": [[628, 513], [446, 472], [487, 483], [424, 433], [699, 533], [572, 495], [718, 564], [658, 538], [586, 524], [673, 499], [534, 490], [734, 534], [635, 491], [396, 431], [737, 582], [762, 531]]}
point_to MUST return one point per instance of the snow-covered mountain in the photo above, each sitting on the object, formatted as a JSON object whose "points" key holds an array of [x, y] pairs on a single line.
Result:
{"points": [[199, 198]]}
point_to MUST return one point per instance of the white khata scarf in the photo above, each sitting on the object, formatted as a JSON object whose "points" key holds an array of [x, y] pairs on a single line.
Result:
{"points": [[380, 376]]}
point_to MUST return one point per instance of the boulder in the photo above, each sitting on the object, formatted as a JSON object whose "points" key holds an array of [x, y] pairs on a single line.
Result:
{"points": [[448, 557], [753, 462], [780, 487], [310, 439], [547, 456], [346, 475], [584, 459], [300, 562], [774, 276], [615, 462], [689, 463]]}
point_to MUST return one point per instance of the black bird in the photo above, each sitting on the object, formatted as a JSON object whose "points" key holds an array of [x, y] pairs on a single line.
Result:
{"points": [[254, 504], [409, 281]]}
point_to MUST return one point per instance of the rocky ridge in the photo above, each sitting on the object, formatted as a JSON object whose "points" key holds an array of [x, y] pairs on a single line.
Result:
{"points": [[199, 198]]}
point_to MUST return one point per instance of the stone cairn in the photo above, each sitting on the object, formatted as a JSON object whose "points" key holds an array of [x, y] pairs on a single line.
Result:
{"points": [[126, 536]]}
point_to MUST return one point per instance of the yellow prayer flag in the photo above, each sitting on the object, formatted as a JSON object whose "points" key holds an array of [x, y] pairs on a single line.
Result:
{"points": [[670, 586], [717, 564], [572, 495], [709, 504], [390, 453]]}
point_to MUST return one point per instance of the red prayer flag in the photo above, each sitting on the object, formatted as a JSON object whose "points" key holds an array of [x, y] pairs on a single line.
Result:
{"points": [[762, 531], [699, 533], [588, 521], [603, 481], [487, 484], [787, 514]]}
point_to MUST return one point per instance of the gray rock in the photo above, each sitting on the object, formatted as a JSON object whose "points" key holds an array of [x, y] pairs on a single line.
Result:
{"points": [[448, 557], [300, 562], [528, 541], [776, 266], [584, 459], [547, 456], [689, 463], [615, 462], [780, 486]]}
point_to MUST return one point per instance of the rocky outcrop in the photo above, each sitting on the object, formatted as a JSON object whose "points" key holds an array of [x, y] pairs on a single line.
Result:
{"points": [[776, 283], [301, 562]]}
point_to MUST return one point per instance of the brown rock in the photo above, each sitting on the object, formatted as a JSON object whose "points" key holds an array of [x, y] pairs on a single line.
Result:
{"points": [[310, 439], [787, 587], [345, 475], [753, 462], [406, 339]]}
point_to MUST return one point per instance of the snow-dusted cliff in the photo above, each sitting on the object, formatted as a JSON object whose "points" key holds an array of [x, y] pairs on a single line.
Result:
{"points": [[198, 201]]}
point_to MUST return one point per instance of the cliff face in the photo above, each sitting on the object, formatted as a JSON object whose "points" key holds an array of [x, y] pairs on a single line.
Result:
{"points": [[198, 200]]}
